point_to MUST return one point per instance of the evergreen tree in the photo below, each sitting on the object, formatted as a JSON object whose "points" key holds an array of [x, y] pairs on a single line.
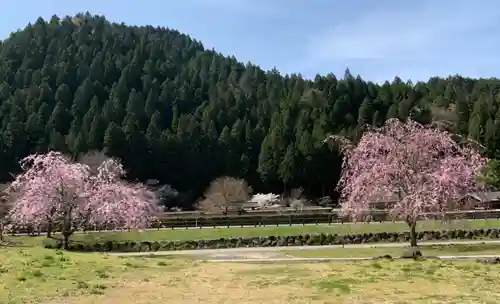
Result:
{"points": [[174, 111]]}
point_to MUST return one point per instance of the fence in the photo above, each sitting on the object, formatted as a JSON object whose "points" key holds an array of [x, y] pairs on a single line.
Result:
{"points": [[258, 212], [302, 219], [283, 220]]}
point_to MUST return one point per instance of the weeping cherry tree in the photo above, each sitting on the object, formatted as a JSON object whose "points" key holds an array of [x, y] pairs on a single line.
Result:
{"points": [[424, 168], [54, 190]]}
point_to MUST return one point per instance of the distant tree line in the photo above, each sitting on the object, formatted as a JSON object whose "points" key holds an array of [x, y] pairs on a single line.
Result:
{"points": [[173, 111]]}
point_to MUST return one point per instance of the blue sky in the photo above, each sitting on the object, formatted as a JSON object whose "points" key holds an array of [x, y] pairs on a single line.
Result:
{"points": [[380, 39]]}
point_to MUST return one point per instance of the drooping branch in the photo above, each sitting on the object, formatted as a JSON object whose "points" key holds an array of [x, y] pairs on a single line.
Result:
{"points": [[53, 189], [423, 167]]}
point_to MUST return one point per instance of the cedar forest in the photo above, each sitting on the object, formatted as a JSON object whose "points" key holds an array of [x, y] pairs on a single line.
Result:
{"points": [[176, 112]]}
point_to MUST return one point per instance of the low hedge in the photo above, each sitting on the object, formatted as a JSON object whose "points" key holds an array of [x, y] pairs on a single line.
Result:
{"points": [[273, 241]]}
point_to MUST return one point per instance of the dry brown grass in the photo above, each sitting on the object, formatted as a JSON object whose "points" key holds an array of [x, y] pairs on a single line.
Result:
{"points": [[205, 283], [42, 276], [381, 282]]}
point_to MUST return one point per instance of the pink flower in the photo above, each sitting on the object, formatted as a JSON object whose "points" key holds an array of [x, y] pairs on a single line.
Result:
{"points": [[52, 188], [422, 168]]}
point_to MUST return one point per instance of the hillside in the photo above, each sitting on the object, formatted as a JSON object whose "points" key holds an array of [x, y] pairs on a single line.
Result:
{"points": [[176, 112]]}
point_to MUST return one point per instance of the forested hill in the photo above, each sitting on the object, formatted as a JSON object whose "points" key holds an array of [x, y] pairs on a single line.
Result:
{"points": [[185, 115]]}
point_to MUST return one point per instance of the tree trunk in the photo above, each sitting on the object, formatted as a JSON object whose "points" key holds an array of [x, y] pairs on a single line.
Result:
{"points": [[49, 229], [413, 234], [66, 232], [66, 235], [1, 231], [67, 229]]}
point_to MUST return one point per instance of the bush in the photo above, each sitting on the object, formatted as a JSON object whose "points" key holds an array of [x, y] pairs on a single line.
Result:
{"points": [[271, 241]]}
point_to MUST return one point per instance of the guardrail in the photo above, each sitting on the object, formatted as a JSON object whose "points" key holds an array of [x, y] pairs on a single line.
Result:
{"points": [[283, 220]]}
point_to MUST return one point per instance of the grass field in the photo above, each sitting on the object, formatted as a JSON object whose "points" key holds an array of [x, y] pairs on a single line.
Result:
{"points": [[41, 276], [216, 233], [483, 249]]}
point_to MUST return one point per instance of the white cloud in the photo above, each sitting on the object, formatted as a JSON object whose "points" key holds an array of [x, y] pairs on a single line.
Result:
{"points": [[401, 33]]}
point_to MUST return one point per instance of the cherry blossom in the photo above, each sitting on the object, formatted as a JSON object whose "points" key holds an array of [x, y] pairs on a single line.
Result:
{"points": [[113, 201], [53, 189], [422, 168], [264, 200]]}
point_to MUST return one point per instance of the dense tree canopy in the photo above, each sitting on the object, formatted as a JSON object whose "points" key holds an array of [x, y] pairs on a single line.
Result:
{"points": [[181, 114]]}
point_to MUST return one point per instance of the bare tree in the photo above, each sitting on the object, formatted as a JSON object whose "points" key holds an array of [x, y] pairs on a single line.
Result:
{"points": [[296, 193], [297, 201], [223, 193]]}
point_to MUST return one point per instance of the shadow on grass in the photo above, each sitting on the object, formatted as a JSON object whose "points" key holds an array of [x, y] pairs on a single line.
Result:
{"points": [[7, 244], [12, 243]]}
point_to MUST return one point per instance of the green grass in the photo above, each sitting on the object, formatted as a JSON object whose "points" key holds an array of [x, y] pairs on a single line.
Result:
{"points": [[372, 282], [369, 282], [484, 249], [211, 233], [35, 275]]}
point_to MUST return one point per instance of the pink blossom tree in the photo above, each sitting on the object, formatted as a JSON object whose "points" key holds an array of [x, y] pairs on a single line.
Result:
{"points": [[118, 203], [424, 169], [53, 189]]}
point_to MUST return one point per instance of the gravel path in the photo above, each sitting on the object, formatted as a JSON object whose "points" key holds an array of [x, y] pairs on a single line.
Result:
{"points": [[288, 260], [274, 254]]}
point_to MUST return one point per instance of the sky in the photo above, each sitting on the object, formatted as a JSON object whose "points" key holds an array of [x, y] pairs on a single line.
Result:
{"points": [[414, 39]]}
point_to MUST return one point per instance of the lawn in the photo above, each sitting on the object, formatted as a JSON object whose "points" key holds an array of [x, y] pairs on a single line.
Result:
{"points": [[42, 276], [36, 275], [216, 233], [483, 249]]}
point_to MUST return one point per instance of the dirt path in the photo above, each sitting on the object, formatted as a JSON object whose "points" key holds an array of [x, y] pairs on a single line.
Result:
{"points": [[275, 253], [289, 260]]}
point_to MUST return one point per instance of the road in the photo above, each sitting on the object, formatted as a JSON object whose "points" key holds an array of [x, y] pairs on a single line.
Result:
{"points": [[275, 252]]}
